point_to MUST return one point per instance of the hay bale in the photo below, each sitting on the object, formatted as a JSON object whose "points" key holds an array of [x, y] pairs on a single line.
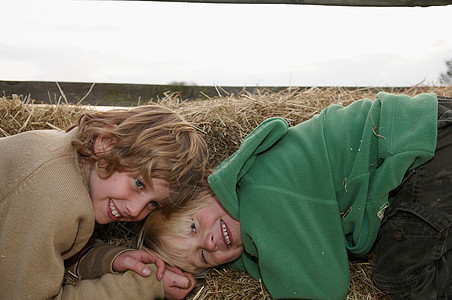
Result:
{"points": [[19, 114], [224, 122]]}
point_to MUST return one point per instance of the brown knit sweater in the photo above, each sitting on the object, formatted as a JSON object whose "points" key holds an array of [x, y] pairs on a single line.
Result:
{"points": [[46, 217]]}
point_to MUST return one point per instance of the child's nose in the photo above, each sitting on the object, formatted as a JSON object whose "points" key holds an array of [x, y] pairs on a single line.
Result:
{"points": [[135, 208], [210, 243]]}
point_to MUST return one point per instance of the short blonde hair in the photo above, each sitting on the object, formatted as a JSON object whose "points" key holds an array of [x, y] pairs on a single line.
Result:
{"points": [[159, 232], [149, 141]]}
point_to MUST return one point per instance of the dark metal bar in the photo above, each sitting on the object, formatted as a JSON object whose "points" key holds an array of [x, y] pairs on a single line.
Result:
{"points": [[376, 3]]}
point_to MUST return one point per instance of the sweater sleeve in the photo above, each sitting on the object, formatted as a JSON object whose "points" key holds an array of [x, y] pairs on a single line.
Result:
{"points": [[128, 285], [94, 260]]}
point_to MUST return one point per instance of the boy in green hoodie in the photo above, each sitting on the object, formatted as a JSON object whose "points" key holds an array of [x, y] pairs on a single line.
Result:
{"points": [[291, 203]]}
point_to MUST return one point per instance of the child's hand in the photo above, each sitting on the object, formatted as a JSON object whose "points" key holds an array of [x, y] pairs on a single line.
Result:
{"points": [[177, 284], [135, 260]]}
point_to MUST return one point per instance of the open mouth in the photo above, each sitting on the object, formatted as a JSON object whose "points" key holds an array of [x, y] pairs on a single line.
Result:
{"points": [[226, 236], [114, 210]]}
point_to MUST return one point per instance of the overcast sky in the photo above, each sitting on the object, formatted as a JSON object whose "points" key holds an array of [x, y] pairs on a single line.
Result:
{"points": [[222, 44]]}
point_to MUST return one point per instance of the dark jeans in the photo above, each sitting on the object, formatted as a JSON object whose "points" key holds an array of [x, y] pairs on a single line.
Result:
{"points": [[414, 245]]}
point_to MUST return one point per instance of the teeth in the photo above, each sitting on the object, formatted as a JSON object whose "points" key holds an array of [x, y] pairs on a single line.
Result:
{"points": [[226, 234], [113, 210]]}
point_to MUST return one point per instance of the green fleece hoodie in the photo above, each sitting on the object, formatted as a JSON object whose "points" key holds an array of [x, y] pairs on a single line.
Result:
{"points": [[306, 195]]}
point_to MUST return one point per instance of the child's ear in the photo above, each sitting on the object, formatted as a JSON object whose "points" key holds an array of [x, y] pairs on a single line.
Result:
{"points": [[103, 144]]}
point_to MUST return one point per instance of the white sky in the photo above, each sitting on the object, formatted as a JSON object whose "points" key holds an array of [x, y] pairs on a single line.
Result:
{"points": [[222, 44]]}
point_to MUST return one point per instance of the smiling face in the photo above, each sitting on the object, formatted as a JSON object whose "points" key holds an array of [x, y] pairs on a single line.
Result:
{"points": [[124, 197], [214, 237]]}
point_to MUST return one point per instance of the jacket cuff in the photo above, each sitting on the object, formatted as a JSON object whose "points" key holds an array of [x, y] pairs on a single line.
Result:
{"points": [[99, 261]]}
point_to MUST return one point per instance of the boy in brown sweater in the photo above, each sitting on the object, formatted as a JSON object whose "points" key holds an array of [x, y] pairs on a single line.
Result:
{"points": [[110, 166]]}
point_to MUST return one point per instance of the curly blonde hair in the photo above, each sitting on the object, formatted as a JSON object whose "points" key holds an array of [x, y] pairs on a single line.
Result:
{"points": [[148, 141]]}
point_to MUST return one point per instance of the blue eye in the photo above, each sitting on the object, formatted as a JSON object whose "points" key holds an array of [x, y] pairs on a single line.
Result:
{"points": [[154, 204], [139, 183]]}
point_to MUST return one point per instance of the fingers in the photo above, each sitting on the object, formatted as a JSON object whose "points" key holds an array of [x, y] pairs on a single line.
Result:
{"points": [[191, 282], [147, 257], [139, 268], [177, 286], [186, 281], [191, 279], [144, 256], [135, 260], [126, 261], [145, 271], [160, 264], [181, 282]]}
